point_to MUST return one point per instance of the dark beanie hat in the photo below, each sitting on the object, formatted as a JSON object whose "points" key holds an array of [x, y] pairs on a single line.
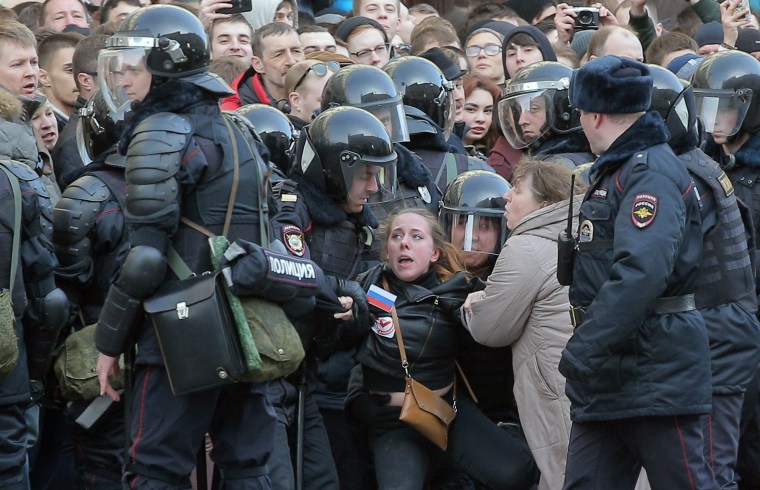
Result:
{"points": [[534, 33], [748, 40], [449, 69], [349, 25], [611, 85], [710, 33]]}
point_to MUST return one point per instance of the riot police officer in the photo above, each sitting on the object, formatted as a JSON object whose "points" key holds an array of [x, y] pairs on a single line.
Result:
{"points": [[372, 89], [91, 242], [277, 134], [535, 114], [179, 151], [344, 157], [726, 293], [429, 105], [726, 86]]}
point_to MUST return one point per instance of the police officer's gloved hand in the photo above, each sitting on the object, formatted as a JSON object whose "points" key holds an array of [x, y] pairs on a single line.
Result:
{"points": [[372, 410], [362, 316]]}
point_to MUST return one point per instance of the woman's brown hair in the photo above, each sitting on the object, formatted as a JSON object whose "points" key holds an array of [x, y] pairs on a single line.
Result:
{"points": [[472, 82], [551, 180], [450, 260]]}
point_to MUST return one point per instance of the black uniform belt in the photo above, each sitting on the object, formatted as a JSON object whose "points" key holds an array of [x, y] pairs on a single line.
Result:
{"points": [[662, 306]]}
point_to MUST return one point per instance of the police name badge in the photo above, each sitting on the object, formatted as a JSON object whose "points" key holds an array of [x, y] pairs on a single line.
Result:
{"points": [[384, 327], [644, 210], [586, 233], [292, 236]]}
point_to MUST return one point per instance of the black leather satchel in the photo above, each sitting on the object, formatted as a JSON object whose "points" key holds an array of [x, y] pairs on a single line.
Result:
{"points": [[193, 320], [196, 333]]}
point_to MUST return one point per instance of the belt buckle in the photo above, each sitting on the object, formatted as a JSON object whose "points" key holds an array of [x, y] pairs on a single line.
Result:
{"points": [[573, 319]]}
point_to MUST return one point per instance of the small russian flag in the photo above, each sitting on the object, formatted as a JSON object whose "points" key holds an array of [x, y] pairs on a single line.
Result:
{"points": [[381, 298]]}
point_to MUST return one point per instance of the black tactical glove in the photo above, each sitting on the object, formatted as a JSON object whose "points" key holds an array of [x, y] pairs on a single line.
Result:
{"points": [[362, 316], [372, 411]]}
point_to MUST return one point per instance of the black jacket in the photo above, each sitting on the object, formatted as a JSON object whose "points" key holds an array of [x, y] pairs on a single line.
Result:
{"points": [[640, 240], [428, 311]]}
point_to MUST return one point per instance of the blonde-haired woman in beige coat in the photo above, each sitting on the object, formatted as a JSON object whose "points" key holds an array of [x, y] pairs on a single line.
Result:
{"points": [[524, 306]]}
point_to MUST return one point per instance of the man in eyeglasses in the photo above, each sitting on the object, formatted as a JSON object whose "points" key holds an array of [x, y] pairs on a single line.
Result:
{"points": [[367, 41]]}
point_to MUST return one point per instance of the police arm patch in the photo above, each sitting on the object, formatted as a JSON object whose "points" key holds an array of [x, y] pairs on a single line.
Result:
{"points": [[644, 210], [292, 237]]}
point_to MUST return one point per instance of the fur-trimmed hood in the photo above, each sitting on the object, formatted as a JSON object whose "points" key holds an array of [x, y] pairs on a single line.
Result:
{"points": [[647, 131], [17, 139], [749, 153], [324, 210], [173, 96], [410, 169], [10, 106]]}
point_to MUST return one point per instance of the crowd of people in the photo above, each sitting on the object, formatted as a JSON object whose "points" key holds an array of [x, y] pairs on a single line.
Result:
{"points": [[542, 212]]}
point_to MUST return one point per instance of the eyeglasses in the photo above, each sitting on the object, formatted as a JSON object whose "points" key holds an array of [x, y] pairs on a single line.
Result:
{"points": [[319, 69], [490, 49], [366, 53]]}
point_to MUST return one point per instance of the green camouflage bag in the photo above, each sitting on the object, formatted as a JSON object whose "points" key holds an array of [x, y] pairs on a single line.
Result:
{"points": [[75, 367], [8, 340], [270, 342]]}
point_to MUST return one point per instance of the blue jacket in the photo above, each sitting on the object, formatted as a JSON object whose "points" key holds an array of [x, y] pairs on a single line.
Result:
{"points": [[640, 240]]}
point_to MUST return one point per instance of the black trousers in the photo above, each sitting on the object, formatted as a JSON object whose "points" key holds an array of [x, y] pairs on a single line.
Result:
{"points": [[12, 446], [610, 455], [168, 430]]}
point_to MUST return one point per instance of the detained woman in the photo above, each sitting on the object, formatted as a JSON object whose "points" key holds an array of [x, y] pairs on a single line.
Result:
{"points": [[427, 275], [524, 306]]}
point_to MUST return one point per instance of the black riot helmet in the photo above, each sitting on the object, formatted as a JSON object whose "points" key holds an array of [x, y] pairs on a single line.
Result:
{"points": [[423, 86], [99, 129], [369, 88], [472, 212], [343, 147], [275, 130], [163, 40], [727, 91], [673, 99], [536, 103]]}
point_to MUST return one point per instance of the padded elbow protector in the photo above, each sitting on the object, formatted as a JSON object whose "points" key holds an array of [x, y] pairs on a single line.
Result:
{"points": [[115, 323], [143, 271]]}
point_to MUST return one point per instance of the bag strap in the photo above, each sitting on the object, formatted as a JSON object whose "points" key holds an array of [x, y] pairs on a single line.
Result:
{"points": [[402, 348], [177, 265], [399, 337], [449, 163], [16, 222]]}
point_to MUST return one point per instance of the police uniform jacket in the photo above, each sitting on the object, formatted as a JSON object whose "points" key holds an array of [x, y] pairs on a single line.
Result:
{"points": [[428, 314], [727, 295], [312, 225], [640, 240]]}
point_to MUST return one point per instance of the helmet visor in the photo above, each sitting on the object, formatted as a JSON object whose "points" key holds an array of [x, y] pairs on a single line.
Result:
{"points": [[477, 235], [525, 117], [722, 111], [392, 116], [369, 177], [123, 77], [82, 142]]}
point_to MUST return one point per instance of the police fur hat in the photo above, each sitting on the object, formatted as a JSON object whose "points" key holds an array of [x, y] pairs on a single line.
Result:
{"points": [[611, 85]]}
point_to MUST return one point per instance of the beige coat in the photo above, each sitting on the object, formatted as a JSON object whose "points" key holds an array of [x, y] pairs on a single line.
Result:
{"points": [[524, 306]]}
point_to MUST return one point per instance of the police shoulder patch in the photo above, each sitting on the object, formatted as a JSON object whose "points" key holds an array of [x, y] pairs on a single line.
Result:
{"points": [[644, 210], [292, 237]]}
